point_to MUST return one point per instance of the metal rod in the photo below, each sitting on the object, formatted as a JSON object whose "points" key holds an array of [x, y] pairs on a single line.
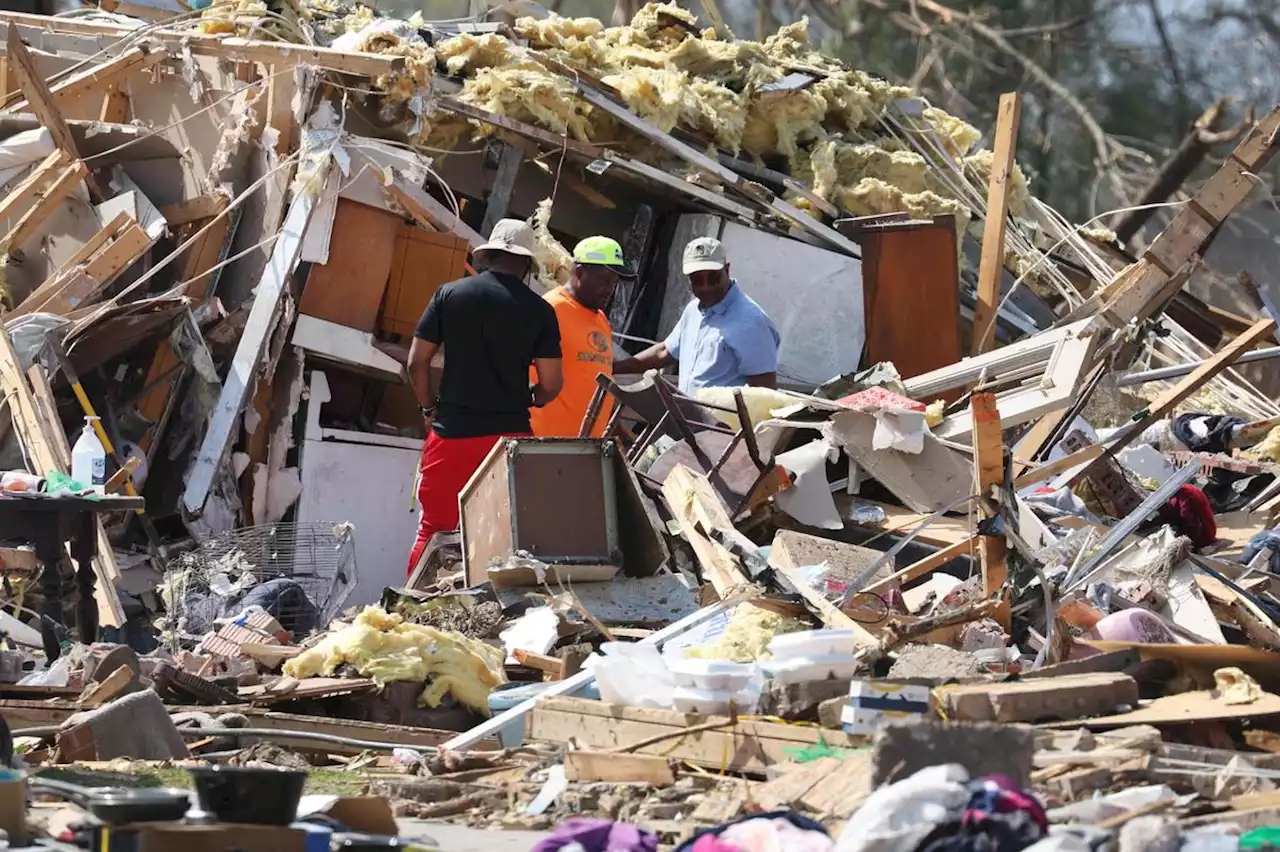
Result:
{"points": [[1129, 379]]}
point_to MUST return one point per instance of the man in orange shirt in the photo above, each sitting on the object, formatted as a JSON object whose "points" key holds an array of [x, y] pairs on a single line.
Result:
{"points": [[586, 338]]}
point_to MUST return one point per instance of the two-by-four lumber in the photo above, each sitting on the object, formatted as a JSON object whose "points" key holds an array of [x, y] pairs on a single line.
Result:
{"points": [[26, 192], [991, 268], [49, 198], [100, 78], [116, 248], [1190, 230], [988, 462], [43, 104]]}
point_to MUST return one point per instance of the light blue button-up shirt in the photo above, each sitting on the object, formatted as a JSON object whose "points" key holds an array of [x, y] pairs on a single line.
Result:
{"points": [[720, 346]]}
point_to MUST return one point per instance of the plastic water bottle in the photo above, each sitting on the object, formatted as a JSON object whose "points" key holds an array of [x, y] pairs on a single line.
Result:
{"points": [[89, 459]]}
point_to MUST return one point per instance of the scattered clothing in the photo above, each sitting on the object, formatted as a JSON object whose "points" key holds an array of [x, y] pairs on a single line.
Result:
{"points": [[1001, 832], [586, 346], [492, 327], [1268, 540], [775, 831], [597, 835], [1206, 433], [903, 814], [1190, 513], [446, 465], [722, 345]]}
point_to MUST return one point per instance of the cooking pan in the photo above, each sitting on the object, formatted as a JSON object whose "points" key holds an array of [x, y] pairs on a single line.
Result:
{"points": [[119, 805]]}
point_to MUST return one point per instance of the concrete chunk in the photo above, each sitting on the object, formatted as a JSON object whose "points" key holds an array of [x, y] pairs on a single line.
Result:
{"points": [[902, 748]]}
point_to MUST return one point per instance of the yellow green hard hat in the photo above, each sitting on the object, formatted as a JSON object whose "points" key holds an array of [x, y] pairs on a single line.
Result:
{"points": [[599, 251]]}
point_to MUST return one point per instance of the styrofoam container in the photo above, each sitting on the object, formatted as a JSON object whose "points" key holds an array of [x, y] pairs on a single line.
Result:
{"points": [[813, 643], [810, 669], [714, 675], [714, 702]]}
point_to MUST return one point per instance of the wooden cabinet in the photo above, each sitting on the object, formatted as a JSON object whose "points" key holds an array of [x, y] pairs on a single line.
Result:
{"points": [[349, 288], [421, 262]]}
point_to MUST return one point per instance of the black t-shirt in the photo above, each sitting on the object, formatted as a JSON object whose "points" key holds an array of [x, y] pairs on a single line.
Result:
{"points": [[491, 326]]}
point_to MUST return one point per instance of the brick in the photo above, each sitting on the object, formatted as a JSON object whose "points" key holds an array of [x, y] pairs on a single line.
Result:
{"points": [[1039, 700]]}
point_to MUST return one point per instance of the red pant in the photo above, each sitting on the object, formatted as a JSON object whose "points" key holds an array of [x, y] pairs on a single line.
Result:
{"points": [[447, 464]]}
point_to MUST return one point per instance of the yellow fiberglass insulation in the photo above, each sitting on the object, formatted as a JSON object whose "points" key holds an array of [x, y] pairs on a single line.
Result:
{"points": [[385, 649], [777, 124], [746, 637], [958, 135], [222, 17], [555, 264], [979, 166], [1268, 449], [655, 94], [530, 95], [555, 31], [472, 52]]}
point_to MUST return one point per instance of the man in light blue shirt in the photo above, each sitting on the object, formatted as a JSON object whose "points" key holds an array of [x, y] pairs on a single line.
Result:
{"points": [[722, 339]]}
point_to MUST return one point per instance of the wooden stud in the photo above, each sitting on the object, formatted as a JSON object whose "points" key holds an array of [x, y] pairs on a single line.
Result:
{"points": [[115, 106], [26, 192], [992, 266], [99, 78], [921, 567], [43, 104], [618, 768], [63, 185], [988, 462]]}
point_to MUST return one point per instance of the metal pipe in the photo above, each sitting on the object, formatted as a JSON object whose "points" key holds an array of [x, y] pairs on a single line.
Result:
{"points": [[1178, 370]]}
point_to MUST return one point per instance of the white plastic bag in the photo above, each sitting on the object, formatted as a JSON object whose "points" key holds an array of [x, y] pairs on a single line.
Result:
{"points": [[58, 674], [633, 674]]}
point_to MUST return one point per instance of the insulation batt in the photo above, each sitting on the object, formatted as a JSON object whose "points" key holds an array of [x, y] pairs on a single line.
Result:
{"points": [[829, 133], [384, 648], [747, 636]]}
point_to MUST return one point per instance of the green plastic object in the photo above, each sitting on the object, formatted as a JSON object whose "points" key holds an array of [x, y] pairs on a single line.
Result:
{"points": [[1267, 837], [56, 483]]}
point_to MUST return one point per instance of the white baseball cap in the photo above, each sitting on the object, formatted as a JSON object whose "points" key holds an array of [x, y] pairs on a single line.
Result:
{"points": [[703, 255], [512, 236]]}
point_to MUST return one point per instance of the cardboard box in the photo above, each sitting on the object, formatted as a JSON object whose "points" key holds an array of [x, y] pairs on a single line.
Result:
{"points": [[874, 703]]}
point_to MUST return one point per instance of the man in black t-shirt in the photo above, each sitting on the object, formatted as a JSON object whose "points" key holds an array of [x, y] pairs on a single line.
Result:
{"points": [[491, 327]]}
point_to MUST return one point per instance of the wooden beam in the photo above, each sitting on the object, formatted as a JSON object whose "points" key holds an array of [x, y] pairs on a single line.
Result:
{"points": [[991, 269], [63, 185], [426, 211], [988, 463], [1062, 465], [43, 105], [696, 505], [100, 77], [921, 567], [22, 195], [1189, 384], [233, 49], [504, 186]]}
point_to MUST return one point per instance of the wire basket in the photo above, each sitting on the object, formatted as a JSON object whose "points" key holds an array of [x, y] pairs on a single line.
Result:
{"points": [[299, 573]]}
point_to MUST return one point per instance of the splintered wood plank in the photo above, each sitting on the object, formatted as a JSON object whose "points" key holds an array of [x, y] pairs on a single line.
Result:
{"points": [[97, 241], [1186, 235], [988, 462], [51, 196], [429, 213], [747, 746], [921, 567], [992, 266], [43, 105], [24, 193], [618, 768], [694, 503], [78, 285], [100, 77], [119, 255]]}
